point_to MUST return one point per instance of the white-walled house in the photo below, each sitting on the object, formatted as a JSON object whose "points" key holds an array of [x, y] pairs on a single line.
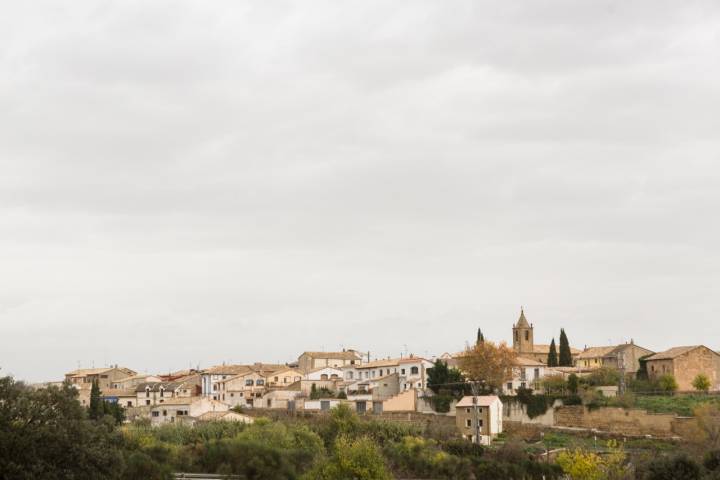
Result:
{"points": [[324, 373], [184, 409], [411, 372], [527, 373]]}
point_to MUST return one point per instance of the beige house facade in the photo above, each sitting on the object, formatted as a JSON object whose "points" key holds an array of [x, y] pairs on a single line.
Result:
{"points": [[312, 360], [685, 363], [479, 415]]}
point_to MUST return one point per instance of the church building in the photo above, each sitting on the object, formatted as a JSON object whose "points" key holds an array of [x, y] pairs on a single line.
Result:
{"points": [[524, 343]]}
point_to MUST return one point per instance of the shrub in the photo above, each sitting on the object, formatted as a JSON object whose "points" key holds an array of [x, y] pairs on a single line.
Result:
{"points": [[581, 465], [535, 405], [572, 384], [712, 460], [677, 468], [603, 376], [141, 465], [463, 448], [358, 459], [554, 384], [667, 383], [701, 383], [421, 458], [441, 402]]}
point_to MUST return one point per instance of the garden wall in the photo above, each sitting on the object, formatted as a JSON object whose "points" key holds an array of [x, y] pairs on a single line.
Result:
{"points": [[623, 421]]}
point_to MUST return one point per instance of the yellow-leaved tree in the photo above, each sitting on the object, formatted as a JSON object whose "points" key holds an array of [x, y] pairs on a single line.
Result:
{"points": [[488, 363]]}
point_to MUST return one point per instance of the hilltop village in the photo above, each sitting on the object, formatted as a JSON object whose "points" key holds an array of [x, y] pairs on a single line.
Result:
{"points": [[319, 381]]}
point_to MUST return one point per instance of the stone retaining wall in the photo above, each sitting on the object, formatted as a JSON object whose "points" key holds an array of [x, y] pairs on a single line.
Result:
{"points": [[623, 421]]}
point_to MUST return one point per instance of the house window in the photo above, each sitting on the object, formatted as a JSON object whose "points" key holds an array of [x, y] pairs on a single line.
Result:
{"points": [[179, 413], [129, 403], [349, 375], [467, 410], [164, 413], [249, 382], [522, 384], [260, 382], [527, 335], [276, 379], [162, 392], [468, 422], [402, 371], [413, 370], [480, 422], [147, 392], [156, 414], [509, 385], [323, 376], [536, 373]]}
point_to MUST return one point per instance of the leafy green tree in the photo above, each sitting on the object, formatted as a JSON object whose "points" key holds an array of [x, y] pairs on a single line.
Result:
{"points": [[565, 358], [554, 384], [441, 377], [701, 383], [45, 434], [358, 459], [603, 376], [552, 360], [96, 410], [572, 383], [667, 383]]}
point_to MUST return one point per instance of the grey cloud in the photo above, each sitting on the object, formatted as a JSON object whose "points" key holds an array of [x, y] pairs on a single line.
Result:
{"points": [[353, 173]]}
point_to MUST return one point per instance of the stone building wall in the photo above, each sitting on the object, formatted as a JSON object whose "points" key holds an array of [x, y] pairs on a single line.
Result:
{"points": [[625, 422]]}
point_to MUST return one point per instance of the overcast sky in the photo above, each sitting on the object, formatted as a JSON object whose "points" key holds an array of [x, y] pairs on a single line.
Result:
{"points": [[187, 183]]}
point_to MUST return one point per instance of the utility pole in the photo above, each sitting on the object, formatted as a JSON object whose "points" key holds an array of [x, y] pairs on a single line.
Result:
{"points": [[476, 415], [621, 364]]}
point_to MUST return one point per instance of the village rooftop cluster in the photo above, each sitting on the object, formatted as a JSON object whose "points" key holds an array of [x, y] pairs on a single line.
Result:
{"points": [[319, 381]]}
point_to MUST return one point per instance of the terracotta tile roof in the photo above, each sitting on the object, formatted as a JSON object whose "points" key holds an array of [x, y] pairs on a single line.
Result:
{"points": [[116, 392], [227, 369], [388, 362], [595, 352], [346, 355], [177, 401], [676, 352], [542, 348], [522, 361], [483, 401], [82, 372]]}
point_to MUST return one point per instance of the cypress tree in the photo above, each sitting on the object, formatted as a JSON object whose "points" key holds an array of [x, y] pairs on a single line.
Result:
{"points": [[480, 337], [565, 359], [552, 360], [96, 406]]}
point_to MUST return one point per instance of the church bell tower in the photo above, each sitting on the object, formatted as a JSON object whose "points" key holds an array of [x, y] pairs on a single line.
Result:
{"points": [[523, 335]]}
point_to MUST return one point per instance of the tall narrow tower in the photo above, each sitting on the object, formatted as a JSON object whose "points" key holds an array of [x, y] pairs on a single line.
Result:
{"points": [[523, 335]]}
